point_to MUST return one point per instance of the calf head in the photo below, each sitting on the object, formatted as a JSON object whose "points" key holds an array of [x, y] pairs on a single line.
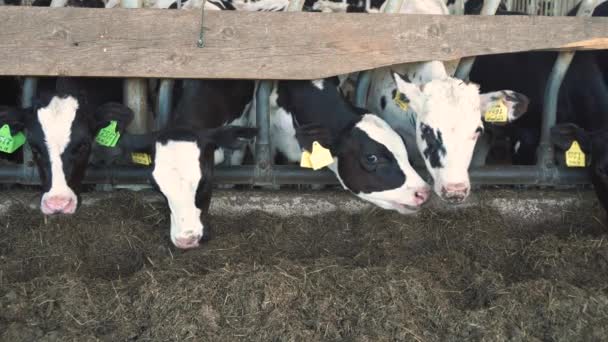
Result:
{"points": [[595, 147], [60, 133], [183, 170], [449, 119], [370, 160]]}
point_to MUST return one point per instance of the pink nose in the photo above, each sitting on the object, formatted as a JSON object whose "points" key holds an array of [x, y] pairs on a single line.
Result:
{"points": [[454, 192], [421, 195], [456, 187], [58, 204], [187, 242]]}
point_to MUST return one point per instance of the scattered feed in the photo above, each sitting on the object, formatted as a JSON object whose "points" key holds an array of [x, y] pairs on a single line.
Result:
{"points": [[110, 273]]}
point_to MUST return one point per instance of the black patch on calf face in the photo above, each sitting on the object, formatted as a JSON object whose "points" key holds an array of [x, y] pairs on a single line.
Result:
{"points": [[383, 102], [204, 190], [434, 145], [367, 166], [75, 157], [35, 138]]}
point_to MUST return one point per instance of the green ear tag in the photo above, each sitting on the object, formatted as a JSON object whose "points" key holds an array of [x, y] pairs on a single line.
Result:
{"points": [[108, 136], [10, 143]]}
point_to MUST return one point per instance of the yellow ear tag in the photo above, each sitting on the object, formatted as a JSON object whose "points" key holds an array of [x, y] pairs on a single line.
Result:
{"points": [[498, 112], [401, 101], [320, 156], [305, 160], [141, 158], [575, 157]]}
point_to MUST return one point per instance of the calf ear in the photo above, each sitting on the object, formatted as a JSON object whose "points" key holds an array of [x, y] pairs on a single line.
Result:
{"points": [[14, 117], [516, 103], [113, 111], [232, 137], [412, 92], [307, 134], [562, 136]]}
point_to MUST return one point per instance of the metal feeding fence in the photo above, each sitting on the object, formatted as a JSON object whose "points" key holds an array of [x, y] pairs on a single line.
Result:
{"points": [[150, 44], [542, 7]]}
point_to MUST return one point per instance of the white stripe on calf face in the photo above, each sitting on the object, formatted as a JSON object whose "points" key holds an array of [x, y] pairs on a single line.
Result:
{"points": [[56, 122], [178, 173]]}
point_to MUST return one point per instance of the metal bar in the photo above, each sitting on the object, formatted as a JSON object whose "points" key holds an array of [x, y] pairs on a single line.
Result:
{"points": [[135, 97], [562, 63], [459, 7], [365, 77], [289, 174], [466, 64], [263, 157], [295, 5], [262, 171], [30, 85], [164, 103], [393, 6], [363, 82], [135, 91]]}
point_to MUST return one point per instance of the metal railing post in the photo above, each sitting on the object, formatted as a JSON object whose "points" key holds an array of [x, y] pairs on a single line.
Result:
{"points": [[545, 151], [459, 7], [365, 77], [30, 84], [135, 91], [164, 103], [466, 64], [263, 156], [135, 96]]}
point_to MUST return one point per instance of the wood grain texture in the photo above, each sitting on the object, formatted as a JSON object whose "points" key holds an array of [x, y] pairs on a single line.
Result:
{"points": [[162, 43]]}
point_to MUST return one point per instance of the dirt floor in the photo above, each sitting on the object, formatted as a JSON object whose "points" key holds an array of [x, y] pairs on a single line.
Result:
{"points": [[110, 273]]}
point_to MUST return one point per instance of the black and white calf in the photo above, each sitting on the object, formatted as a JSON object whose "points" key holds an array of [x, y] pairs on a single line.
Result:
{"points": [[582, 108], [370, 159], [211, 115], [439, 115], [594, 143], [582, 94], [61, 128]]}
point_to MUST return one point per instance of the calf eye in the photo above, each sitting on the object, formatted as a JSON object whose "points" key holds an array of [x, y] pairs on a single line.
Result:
{"points": [[370, 162]]}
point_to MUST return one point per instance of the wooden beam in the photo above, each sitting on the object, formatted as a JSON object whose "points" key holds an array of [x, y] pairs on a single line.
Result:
{"points": [[163, 43]]}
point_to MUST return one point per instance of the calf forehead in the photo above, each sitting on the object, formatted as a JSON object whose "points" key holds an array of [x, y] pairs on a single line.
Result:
{"points": [[451, 102], [56, 121], [177, 169]]}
